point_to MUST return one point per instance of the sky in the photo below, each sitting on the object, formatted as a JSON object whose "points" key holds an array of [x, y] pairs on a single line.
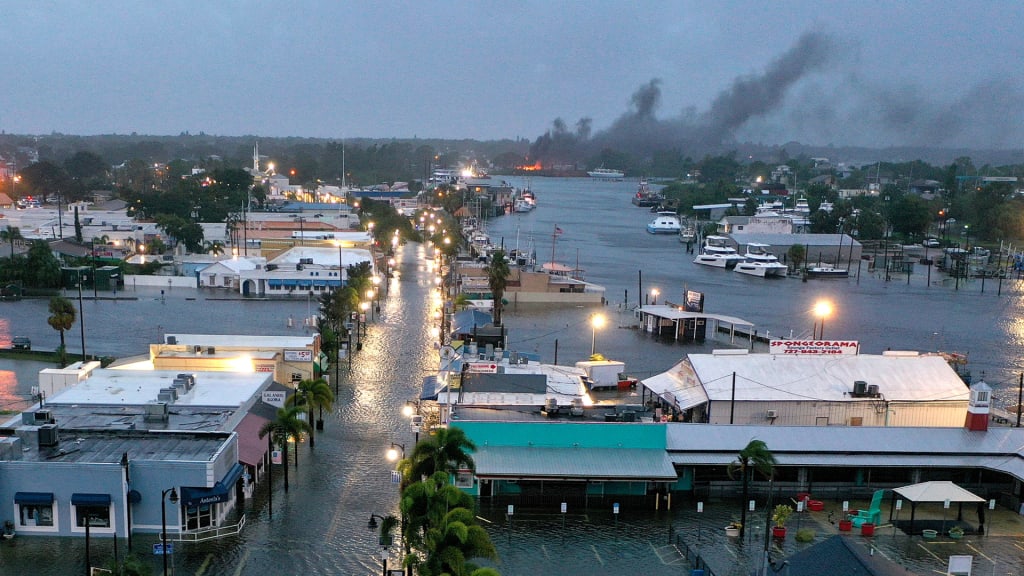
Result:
{"points": [[873, 73]]}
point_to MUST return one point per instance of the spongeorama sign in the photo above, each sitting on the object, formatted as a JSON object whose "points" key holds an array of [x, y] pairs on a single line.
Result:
{"points": [[815, 347]]}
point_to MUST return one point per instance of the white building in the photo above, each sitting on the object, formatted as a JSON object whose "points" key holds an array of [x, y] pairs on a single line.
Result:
{"points": [[303, 270]]}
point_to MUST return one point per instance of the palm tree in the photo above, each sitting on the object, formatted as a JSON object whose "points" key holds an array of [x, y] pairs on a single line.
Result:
{"points": [[497, 279], [62, 318], [447, 451], [313, 394], [287, 425], [11, 234], [755, 456]]}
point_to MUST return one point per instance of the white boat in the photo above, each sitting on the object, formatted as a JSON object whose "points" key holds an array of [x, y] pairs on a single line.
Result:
{"points": [[524, 205], [717, 252], [826, 271], [606, 174], [758, 261], [687, 234], [665, 223]]}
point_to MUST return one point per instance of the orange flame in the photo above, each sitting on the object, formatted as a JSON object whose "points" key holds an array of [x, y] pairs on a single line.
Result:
{"points": [[532, 168]]}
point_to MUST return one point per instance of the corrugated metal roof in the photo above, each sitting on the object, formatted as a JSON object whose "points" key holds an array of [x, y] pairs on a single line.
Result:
{"points": [[831, 378], [574, 463]]}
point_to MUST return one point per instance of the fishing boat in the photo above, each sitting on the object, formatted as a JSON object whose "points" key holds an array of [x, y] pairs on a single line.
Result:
{"points": [[645, 197], [717, 252], [826, 271], [665, 223], [603, 173], [758, 261]]}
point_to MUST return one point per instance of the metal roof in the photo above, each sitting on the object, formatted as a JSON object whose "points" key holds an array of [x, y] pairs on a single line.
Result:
{"points": [[782, 377], [784, 240], [673, 313], [93, 446], [573, 463]]}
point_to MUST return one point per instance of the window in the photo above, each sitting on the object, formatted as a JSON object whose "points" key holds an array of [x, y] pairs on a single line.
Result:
{"points": [[100, 516], [199, 517], [36, 515], [464, 479]]}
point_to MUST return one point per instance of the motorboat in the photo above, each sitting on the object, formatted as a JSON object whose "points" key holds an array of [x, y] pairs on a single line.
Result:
{"points": [[523, 205], [687, 234], [665, 223], [606, 174], [645, 197], [717, 252], [826, 271], [758, 261]]}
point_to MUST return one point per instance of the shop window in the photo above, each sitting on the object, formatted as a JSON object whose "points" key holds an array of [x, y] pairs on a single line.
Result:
{"points": [[199, 517], [464, 479], [36, 515], [100, 516]]}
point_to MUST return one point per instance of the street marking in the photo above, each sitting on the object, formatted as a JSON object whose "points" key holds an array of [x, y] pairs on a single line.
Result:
{"points": [[923, 547], [980, 553], [241, 564], [597, 555], [204, 565], [545, 550]]}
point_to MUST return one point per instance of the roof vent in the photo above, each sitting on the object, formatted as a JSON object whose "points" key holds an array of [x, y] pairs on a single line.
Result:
{"points": [[172, 340], [156, 411], [48, 435]]}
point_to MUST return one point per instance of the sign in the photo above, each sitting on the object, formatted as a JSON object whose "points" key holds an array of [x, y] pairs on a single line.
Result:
{"points": [[615, 508], [275, 397], [482, 367], [275, 457], [396, 477], [158, 548], [511, 509], [815, 347], [694, 301], [298, 355], [265, 368], [700, 507], [564, 507]]}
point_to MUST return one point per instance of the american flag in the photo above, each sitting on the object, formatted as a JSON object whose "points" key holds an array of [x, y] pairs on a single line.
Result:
{"points": [[558, 231]]}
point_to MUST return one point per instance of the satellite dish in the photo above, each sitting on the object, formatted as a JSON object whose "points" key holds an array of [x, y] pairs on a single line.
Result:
{"points": [[447, 352]]}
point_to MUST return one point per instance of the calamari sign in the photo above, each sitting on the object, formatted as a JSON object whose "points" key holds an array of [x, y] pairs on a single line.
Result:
{"points": [[815, 347]]}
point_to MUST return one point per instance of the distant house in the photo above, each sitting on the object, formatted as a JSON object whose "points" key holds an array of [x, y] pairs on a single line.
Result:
{"points": [[226, 273], [6, 202], [762, 224]]}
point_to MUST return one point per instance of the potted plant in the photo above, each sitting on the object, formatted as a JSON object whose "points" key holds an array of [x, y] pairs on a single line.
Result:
{"points": [[8, 529], [780, 515], [733, 529], [956, 532]]}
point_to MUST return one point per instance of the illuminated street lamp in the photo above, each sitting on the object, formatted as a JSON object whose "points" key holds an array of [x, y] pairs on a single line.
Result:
{"points": [[596, 321], [395, 451], [822, 309], [654, 295]]}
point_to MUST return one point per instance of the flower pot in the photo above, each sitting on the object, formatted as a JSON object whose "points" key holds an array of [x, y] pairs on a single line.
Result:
{"points": [[929, 534], [779, 532], [956, 535], [732, 532], [867, 529], [845, 525], [815, 505]]}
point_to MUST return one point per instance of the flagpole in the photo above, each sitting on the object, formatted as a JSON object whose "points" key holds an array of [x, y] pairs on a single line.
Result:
{"points": [[554, 238]]}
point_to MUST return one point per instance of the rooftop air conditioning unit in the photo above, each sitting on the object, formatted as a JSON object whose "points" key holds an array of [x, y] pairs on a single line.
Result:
{"points": [[156, 411], [860, 389], [172, 340], [771, 414], [211, 350], [48, 435], [197, 349], [550, 404]]}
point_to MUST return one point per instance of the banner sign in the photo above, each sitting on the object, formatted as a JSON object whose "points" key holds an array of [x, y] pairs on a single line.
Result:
{"points": [[482, 367], [815, 347], [275, 397], [298, 355]]}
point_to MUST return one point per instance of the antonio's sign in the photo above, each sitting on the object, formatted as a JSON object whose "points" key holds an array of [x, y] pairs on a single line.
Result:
{"points": [[815, 347]]}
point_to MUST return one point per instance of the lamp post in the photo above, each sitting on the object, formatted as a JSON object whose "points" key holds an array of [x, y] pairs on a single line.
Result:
{"points": [[127, 502], [163, 520], [412, 410], [654, 296], [370, 293], [395, 451], [822, 309], [385, 539], [596, 321]]}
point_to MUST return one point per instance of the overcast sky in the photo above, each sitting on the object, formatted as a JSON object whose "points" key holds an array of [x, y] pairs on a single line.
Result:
{"points": [[941, 73]]}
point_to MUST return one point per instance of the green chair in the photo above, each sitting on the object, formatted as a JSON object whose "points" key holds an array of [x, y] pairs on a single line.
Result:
{"points": [[873, 514]]}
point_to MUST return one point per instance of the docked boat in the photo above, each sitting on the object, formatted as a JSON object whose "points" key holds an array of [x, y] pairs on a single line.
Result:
{"points": [[826, 271], [606, 174], [717, 252], [665, 223], [687, 234], [523, 205], [758, 261]]}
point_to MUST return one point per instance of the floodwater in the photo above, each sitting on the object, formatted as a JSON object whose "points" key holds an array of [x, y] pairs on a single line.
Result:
{"points": [[320, 525]]}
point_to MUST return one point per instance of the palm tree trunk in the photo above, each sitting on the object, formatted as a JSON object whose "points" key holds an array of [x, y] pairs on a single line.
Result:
{"points": [[284, 448], [312, 432], [296, 454], [743, 504]]}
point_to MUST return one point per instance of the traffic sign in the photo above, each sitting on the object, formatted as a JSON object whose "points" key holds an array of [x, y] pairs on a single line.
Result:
{"points": [[396, 477], [158, 548]]}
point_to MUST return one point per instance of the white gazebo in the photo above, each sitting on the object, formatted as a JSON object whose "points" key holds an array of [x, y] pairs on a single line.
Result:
{"points": [[937, 491]]}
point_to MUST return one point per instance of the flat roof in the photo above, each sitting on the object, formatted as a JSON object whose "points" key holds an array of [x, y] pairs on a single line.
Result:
{"points": [[782, 377], [139, 387], [592, 463], [673, 313], [242, 340], [107, 447], [744, 238]]}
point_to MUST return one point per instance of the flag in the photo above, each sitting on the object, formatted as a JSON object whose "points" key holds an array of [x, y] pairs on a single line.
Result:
{"points": [[558, 231]]}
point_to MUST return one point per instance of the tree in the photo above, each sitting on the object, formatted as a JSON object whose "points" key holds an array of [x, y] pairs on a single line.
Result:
{"points": [[447, 450], [42, 269], [796, 254], [62, 318], [754, 457], [313, 394], [11, 234], [287, 425], [497, 280]]}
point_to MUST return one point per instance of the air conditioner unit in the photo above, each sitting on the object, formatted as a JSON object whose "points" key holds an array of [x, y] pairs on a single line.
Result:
{"points": [[771, 414], [48, 435], [172, 340]]}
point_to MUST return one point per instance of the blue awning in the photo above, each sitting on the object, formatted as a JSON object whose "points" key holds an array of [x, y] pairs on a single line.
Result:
{"points": [[36, 498], [220, 492], [90, 499]]}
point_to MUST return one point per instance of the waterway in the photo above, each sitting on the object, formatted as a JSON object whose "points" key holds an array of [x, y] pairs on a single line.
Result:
{"points": [[319, 527]]}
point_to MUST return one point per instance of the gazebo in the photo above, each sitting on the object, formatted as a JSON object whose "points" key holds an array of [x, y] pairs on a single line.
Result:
{"points": [[937, 491]]}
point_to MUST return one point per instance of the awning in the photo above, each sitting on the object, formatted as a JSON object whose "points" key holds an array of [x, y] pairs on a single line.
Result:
{"points": [[594, 464], [937, 491], [251, 448], [36, 498], [429, 391], [90, 499], [220, 492]]}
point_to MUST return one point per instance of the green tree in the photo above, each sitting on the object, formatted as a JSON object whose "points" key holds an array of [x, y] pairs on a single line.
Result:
{"points": [[42, 269], [11, 235], [446, 450], [754, 457], [286, 426], [312, 394], [187, 232], [910, 216], [62, 318], [796, 254], [497, 280]]}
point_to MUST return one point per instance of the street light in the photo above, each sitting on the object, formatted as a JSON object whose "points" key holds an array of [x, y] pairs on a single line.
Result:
{"points": [[394, 451], [163, 520], [822, 309], [654, 296], [385, 538], [596, 321]]}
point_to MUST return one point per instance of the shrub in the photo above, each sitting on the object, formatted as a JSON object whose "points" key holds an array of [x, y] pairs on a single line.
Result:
{"points": [[805, 535]]}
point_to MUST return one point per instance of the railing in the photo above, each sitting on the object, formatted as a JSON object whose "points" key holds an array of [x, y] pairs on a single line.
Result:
{"points": [[692, 556], [212, 533]]}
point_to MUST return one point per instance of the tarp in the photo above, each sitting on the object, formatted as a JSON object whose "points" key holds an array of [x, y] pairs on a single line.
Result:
{"points": [[937, 491]]}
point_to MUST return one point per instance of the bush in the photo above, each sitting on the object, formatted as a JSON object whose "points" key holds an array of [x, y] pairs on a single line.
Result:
{"points": [[805, 535]]}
